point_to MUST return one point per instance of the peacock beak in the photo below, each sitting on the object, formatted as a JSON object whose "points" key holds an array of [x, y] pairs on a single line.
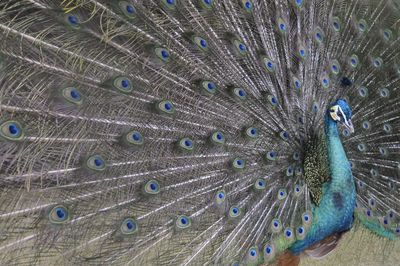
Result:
{"points": [[349, 126]]}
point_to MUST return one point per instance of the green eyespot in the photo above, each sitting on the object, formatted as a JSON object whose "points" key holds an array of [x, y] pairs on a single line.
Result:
{"points": [[72, 95], [11, 130], [96, 163]]}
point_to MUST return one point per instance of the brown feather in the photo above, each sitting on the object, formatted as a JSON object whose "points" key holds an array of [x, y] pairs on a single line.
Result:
{"points": [[324, 247]]}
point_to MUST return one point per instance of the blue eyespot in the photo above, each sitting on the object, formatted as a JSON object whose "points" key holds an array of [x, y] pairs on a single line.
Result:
{"points": [[123, 84], [165, 107], [183, 222], [234, 211], [247, 5], [129, 226], [253, 252], [240, 47], [269, 65], [362, 25], [273, 100], [325, 81], [319, 35], [169, 4], [335, 67], [251, 133], [220, 196], [134, 138], [289, 233], [282, 25], [387, 34], [284, 135], [276, 225], [297, 190], [186, 144], [387, 128], [260, 184], [307, 218], [96, 163], [282, 194], [200, 42], [354, 61], [336, 24], [289, 171], [152, 187], [207, 4], [11, 130], [271, 155], [238, 164], [302, 52], [363, 92], [384, 92], [377, 62], [366, 125], [239, 93], [162, 54], [298, 3], [59, 215], [362, 147], [218, 138], [297, 83], [209, 87], [127, 9], [269, 252]]}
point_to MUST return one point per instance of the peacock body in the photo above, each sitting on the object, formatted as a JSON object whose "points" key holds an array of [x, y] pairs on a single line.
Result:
{"points": [[196, 132]]}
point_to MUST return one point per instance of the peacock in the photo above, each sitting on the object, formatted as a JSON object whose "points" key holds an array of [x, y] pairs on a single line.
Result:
{"points": [[198, 132]]}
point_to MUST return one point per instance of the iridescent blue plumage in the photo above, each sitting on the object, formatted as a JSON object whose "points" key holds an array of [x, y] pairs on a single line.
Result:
{"points": [[334, 214]]}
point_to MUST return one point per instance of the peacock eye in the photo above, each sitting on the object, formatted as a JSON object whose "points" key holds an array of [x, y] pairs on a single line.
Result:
{"points": [[127, 9], [11, 130], [123, 84], [59, 215], [129, 226], [96, 163], [183, 222]]}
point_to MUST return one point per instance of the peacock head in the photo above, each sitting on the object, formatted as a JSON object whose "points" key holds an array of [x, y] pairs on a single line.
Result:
{"points": [[340, 112]]}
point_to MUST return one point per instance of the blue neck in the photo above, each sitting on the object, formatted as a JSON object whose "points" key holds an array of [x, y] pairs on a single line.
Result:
{"points": [[339, 165]]}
